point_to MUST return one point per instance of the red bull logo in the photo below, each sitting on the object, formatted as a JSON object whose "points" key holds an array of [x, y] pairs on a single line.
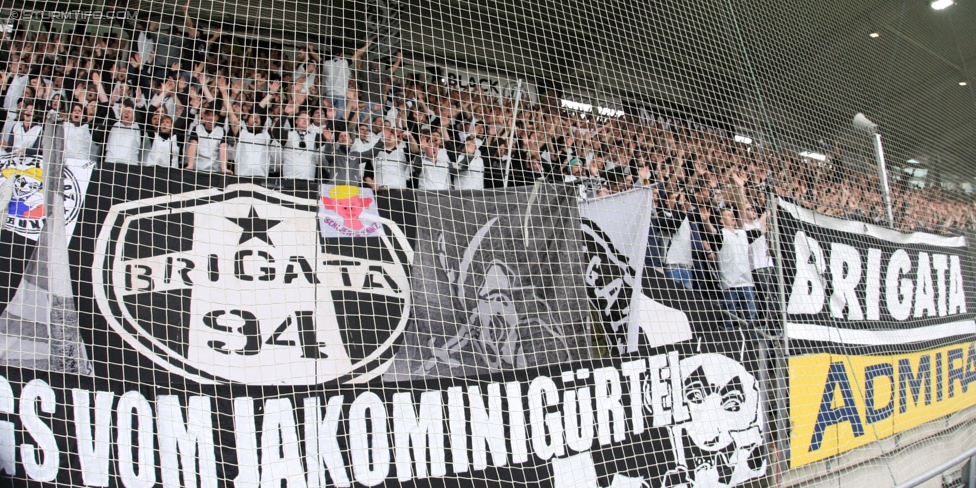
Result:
{"points": [[351, 204]]}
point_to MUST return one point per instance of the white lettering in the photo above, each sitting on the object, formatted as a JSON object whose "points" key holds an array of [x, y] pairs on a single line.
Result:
{"points": [[872, 292], [487, 426], [192, 440], [924, 291], [632, 371], [679, 411], [321, 444], [516, 422], [899, 298], [608, 394], [807, 295], [457, 423], [578, 405], [47, 470], [245, 437], [845, 274], [940, 263], [542, 393], [426, 432], [657, 390], [93, 454], [369, 447], [8, 444], [957, 293], [132, 403], [280, 455]]}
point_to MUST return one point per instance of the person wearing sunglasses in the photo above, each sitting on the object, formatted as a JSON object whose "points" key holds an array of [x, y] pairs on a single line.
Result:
{"points": [[301, 146]]}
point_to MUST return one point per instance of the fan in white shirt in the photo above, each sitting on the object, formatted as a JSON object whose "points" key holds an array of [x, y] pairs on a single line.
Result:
{"points": [[435, 165], [470, 167], [252, 155], [15, 88], [25, 136], [301, 147], [207, 148], [162, 148], [390, 167], [124, 142], [77, 135]]}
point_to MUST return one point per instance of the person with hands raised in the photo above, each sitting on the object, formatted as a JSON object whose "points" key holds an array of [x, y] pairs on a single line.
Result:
{"points": [[253, 151]]}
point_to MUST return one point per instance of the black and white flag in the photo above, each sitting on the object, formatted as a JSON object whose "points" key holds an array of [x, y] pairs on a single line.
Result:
{"points": [[497, 284]]}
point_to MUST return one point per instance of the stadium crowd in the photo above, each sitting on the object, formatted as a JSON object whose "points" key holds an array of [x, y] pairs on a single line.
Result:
{"points": [[207, 101]]}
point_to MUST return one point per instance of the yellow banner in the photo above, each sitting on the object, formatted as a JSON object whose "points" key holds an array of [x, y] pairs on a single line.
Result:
{"points": [[838, 402]]}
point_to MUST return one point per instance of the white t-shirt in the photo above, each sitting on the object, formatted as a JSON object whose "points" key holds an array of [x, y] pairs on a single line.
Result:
{"points": [[14, 91], [208, 148], [473, 177], [734, 267], [161, 150], [435, 174], [77, 141], [299, 160], [24, 139], [391, 168], [253, 152], [759, 249], [679, 252], [124, 144]]}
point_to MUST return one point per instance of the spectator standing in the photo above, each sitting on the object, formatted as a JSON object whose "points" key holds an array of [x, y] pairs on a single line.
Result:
{"points": [[390, 168], [434, 164], [123, 143], [18, 81], [673, 219], [344, 163], [207, 147], [470, 167], [253, 150], [763, 266], [300, 146], [25, 136], [78, 136], [735, 271], [336, 74], [161, 147]]}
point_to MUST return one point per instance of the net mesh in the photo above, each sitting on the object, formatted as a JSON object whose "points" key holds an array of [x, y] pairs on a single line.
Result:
{"points": [[575, 244]]}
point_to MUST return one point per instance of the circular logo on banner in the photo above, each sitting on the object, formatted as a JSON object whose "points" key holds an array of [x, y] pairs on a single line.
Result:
{"points": [[236, 285], [26, 211]]}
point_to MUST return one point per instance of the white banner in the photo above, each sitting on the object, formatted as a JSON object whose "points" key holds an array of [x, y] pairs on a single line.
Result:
{"points": [[348, 211], [26, 209]]}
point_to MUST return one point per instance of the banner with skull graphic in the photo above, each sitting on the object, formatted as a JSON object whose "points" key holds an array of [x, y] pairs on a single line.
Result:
{"points": [[223, 340]]}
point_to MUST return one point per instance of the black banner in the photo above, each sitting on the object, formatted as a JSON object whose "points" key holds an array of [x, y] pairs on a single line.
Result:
{"points": [[860, 288], [231, 345]]}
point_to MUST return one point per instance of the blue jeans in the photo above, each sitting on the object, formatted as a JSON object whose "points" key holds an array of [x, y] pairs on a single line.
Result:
{"points": [[680, 274], [740, 302]]}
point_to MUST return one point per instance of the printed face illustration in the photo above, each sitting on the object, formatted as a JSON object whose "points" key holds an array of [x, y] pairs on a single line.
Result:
{"points": [[345, 201], [721, 397]]}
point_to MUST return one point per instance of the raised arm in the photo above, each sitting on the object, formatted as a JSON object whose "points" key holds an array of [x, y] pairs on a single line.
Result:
{"points": [[396, 62], [234, 120], [188, 22], [272, 89], [97, 79], [313, 53], [359, 53]]}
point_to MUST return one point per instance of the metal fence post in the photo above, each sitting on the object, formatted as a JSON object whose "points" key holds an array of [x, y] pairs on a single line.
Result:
{"points": [[781, 393]]}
